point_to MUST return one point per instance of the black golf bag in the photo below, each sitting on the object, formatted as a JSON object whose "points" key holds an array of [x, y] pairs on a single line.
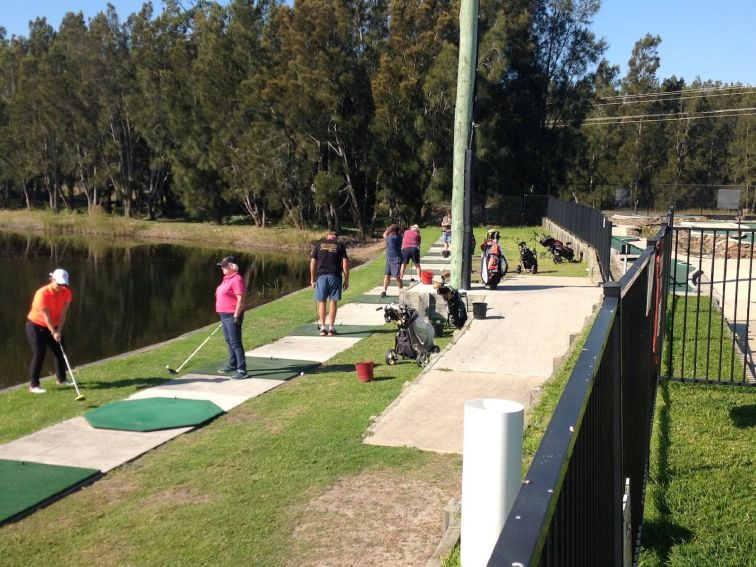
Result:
{"points": [[528, 259], [414, 337], [493, 264], [456, 311], [559, 250]]}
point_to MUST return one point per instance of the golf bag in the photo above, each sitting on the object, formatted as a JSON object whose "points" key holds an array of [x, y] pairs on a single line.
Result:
{"points": [[456, 312], [528, 259], [414, 337], [559, 250], [493, 264]]}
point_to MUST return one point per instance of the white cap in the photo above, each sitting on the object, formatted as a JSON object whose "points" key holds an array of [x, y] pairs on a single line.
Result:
{"points": [[60, 276]]}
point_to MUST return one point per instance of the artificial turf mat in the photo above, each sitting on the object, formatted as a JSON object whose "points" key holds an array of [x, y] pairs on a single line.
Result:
{"points": [[151, 414], [24, 485], [311, 330], [265, 368]]}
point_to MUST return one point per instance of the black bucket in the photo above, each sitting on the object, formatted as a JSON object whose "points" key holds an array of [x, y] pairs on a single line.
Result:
{"points": [[479, 310]]}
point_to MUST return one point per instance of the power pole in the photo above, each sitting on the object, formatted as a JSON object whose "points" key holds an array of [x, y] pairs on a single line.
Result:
{"points": [[461, 222]]}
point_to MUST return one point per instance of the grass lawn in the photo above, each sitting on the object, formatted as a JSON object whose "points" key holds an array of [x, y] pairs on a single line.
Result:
{"points": [[237, 490], [700, 501]]}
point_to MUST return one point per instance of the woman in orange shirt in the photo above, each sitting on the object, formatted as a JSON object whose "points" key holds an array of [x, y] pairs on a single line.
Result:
{"points": [[44, 327]]}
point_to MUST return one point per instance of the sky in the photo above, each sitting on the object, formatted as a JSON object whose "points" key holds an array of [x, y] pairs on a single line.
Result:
{"points": [[710, 39]]}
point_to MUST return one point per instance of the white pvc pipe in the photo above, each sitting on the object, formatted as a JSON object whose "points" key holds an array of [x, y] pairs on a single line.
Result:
{"points": [[491, 469]]}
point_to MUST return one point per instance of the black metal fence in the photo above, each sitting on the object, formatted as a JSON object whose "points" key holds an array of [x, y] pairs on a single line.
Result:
{"points": [[710, 314], [588, 224], [595, 451]]}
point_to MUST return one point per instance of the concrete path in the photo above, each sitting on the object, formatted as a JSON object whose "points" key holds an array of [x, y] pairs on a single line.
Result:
{"points": [[530, 322]]}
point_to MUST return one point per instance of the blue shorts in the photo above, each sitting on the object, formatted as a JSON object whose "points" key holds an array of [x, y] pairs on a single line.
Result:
{"points": [[411, 254], [328, 287], [446, 236], [392, 267]]}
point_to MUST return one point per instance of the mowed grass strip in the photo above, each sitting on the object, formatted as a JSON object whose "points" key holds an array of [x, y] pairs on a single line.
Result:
{"points": [[700, 502]]}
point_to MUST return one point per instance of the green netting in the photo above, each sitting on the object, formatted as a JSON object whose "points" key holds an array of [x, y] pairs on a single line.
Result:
{"points": [[152, 414], [24, 485], [311, 330], [265, 368]]}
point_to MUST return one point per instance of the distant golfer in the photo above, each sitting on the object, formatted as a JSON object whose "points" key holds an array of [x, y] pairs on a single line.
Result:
{"points": [[329, 274], [411, 250], [393, 257], [44, 327], [229, 304]]}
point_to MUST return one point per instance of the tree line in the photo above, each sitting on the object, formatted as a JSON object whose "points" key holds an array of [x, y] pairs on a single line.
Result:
{"points": [[333, 111]]}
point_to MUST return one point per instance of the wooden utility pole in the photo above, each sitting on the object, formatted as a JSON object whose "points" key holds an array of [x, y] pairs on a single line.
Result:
{"points": [[468, 57]]}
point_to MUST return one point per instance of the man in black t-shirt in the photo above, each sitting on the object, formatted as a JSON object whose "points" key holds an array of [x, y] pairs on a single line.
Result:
{"points": [[328, 260]]}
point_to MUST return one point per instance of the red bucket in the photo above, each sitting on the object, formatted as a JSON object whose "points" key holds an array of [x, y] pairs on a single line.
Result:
{"points": [[426, 277], [364, 370]]}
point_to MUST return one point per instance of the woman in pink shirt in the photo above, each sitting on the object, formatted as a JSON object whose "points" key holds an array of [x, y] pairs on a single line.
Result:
{"points": [[229, 304], [411, 250]]}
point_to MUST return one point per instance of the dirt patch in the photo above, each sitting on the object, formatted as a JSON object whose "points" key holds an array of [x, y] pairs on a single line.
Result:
{"points": [[180, 495], [376, 518], [365, 251]]}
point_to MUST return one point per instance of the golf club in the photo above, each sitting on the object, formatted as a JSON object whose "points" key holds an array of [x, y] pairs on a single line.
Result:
{"points": [[172, 371], [79, 395]]}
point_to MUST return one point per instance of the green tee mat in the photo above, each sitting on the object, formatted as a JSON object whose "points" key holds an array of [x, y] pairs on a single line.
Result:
{"points": [[265, 368], [25, 485], [680, 276], [151, 414], [311, 330], [376, 299]]}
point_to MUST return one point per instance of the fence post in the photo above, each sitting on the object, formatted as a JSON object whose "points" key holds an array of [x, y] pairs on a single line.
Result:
{"points": [[613, 290]]}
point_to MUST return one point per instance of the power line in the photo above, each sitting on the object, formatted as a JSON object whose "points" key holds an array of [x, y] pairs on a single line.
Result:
{"points": [[666, 99], [666, 117], [675, 92]]}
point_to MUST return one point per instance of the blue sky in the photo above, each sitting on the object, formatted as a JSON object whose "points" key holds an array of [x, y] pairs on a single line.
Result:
{"points": [[713, 39]]}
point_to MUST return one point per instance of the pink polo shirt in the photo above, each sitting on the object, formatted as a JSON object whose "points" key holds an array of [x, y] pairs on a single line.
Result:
{"points": [[225, 294]]}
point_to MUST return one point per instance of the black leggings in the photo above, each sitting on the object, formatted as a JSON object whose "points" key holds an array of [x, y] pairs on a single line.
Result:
{"points": [[40, 338]]}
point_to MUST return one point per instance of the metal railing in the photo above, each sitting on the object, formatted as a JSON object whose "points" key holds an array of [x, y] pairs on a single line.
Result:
{"points": [[588, 224], [710, 315], [595, 451]]}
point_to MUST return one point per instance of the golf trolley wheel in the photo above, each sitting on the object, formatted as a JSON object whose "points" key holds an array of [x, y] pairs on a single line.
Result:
{"points": [[558, 259], [436, 349], [519, 268], [423, 358], [391, 357], [534, 269]]}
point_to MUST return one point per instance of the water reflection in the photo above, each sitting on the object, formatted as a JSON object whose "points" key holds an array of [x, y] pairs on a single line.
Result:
{"points": [[126, 294]]}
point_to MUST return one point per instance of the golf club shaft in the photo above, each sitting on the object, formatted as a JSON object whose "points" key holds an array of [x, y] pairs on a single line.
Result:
{"points": [[199, 347], [68, 365]]}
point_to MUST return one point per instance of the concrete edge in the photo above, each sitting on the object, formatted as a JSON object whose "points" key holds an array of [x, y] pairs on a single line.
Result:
{"points": [[458, 333], [451, 536]]}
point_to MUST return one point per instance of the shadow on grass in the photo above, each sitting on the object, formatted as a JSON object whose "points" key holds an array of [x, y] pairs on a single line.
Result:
{"points": [[661, 535], [743, 417], [140, 383]]}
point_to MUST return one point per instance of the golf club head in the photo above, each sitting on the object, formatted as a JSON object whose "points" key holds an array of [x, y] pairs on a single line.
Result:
{"points": [[80, 398], [170, 370]]}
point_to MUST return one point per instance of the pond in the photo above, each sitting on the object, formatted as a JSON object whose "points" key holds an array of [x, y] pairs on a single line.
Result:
{"points": [[127, 294]]}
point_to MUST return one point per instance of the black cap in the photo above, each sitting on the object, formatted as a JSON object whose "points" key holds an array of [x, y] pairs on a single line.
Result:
{"points": [[226, 261]]}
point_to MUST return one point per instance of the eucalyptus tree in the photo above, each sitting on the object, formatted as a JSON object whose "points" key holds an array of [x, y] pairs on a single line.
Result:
{"points": [[414, 92], [742, 151], [642, 154], [320, 99], [537, 61]]}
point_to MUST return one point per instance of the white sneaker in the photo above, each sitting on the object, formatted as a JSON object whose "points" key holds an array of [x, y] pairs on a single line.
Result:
{"points": [[37, 390]]}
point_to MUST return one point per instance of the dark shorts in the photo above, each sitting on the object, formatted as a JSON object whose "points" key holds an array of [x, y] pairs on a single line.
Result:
{"points": [[410, 254], [328, 287], [392, 267]]}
